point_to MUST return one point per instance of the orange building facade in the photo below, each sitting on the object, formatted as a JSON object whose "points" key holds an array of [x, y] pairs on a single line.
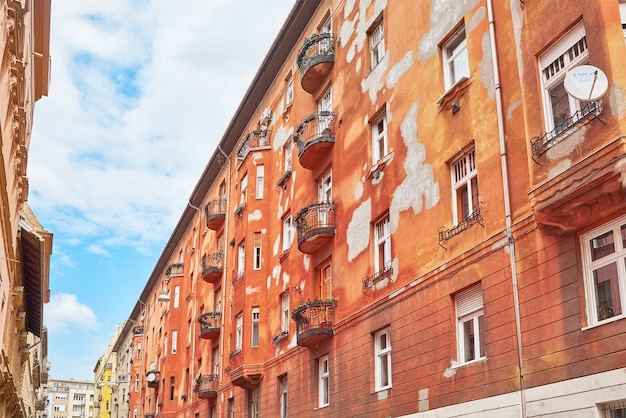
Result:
{"points": [[411, 214]]}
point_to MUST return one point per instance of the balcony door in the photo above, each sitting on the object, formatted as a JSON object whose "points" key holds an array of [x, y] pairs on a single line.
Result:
{"points": [[324, 195], [324, 109]]}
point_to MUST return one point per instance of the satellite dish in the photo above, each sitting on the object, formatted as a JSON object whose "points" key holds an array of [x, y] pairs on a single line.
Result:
{"points": [[586, 82]]}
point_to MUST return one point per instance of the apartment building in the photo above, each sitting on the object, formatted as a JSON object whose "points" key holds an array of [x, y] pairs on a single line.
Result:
{"points": [[415, 211], [69, 398], [25, 246]]}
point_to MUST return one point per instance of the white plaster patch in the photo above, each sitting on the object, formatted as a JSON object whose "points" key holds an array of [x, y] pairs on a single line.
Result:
{"points": [[345, 33], [275, 273], [286, 278], [422, 397], [451, 371], [362, 25], [382, 395], [255, 216], [617, 100], [400, 68], [559, 168], [567, 144], [250, 290], [446, 14], [281, 135], [306, 263], [486, 67], [347, 9], [373, 83], [358, 191], [419, 184], [500, 244], [358, 232], [276, 245], [257, 156], [512, 108]]}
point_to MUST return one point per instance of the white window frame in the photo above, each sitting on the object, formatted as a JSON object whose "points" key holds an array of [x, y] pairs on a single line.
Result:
{"points": [[244, 191], [597, 312], [256, 327], [568, 52], [288, 154], [622, 15], [469, 314], [289, 89], [455, 59], [174, 340], [238, 332], [323, 382], [324, 104], [284, 317], [382, 359], [464, 177], [287, 232], [283, 390], [380, 143], [382, 244], [260, 181], [176, 296], [257, 251], [377, 43], [241, 259], [215, 362]]}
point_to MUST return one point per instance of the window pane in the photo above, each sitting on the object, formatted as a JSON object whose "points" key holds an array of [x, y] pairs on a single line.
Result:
{"points": [[469, 340], [559, 100], [384, 369], [383, 341], [602, 245], [481, 334], [623, 236], [608, 303]]}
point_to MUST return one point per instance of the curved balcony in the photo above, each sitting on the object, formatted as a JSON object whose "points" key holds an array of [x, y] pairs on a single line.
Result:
{"points": [[209, 325], [315, 60], [314, 321], [215, 212], [315, 135], [207, 386], [252, 140], [212, 267], [315, 225]]}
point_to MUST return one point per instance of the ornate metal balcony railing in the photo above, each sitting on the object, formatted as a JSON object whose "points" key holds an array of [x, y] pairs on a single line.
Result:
{"points": [[317, 219], [476, 216], [254, 139], [210, 324], [314, 321], [138, 330], [207, 386], [371, 281], [215, 212], [315, 134], [564, 127], [317, 49], [212, 266]]}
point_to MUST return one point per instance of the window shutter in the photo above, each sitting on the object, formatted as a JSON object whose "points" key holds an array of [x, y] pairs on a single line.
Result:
{"points": [[470, 300]]}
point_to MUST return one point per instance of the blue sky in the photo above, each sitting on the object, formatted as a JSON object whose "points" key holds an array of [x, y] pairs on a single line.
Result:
{"points": [[141, 92]]}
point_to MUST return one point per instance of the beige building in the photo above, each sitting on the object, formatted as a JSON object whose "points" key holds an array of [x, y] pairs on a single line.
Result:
{"points": [[68, 398]]}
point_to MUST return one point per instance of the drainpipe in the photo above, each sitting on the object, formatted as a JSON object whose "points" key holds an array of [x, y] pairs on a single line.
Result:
{"points": [[226, 246], [507, 204], [195, 300]]}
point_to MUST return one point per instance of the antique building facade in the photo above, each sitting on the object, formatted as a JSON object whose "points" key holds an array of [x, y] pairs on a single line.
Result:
{"points": [[25, 246], [68, 398], [408, 215]]}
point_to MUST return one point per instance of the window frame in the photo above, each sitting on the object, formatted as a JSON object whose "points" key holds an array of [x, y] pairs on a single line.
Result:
{"points": [[260, 181], [464, 176], [289, 89], [255, 332], [469, 306], [285, 314], [617, 227], [323, 382], [382, 243], [257, 253], [238, 332], [287, 232], [382, 360], [241, 259], [453, 48], [283, 390], [376, 39], [174, 341], [379, 137]]}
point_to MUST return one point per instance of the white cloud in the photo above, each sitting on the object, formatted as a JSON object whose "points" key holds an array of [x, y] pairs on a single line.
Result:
{"points": [[64, 311]]}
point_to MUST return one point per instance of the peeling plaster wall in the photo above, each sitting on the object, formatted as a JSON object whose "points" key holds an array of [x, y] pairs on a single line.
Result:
{"points": [[358, 231]]}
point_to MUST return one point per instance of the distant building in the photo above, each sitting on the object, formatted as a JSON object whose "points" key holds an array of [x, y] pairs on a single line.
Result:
{"points": [[418, 210], [68, 398], [105, 378]]}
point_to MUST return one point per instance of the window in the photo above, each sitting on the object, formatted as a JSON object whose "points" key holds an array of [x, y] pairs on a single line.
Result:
{"points": [[136, 382], [324, 194], [174, 340], [604, 264], [217, 300], [382, 359], [189, 332], [289, 90], [284, 318], [377, 43], [256, 262], [254, 405], [325, 282], [379, 138], [455, 59], [260, 173], [172, 387], [324, 107], [138, 350], [238, 332], [231, 408], [464, 186], [565, 54], [216, 360], [288, 152], [256, 325], [287, 232], [323, 384], [613, 409], [382, 244], [282, 383], [241, 259], [243, 199], [622, 14], [176, 296], [470, 328]]}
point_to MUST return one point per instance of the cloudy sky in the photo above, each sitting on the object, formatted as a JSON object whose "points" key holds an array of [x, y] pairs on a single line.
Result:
{"points": [[141, 93]]}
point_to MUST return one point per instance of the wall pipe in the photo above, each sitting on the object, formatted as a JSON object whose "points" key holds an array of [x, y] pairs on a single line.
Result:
{"points": [[507, 203]]}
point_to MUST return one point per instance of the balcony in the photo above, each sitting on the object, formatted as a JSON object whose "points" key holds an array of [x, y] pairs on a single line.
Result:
{"points": [[315, 60], [252, 140], [315, 135], [315, 225], [212, 267], [244, 375], [138, 330], [210, 325], [207, 386], [314, 321], [215, 212], [175, 269]]}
